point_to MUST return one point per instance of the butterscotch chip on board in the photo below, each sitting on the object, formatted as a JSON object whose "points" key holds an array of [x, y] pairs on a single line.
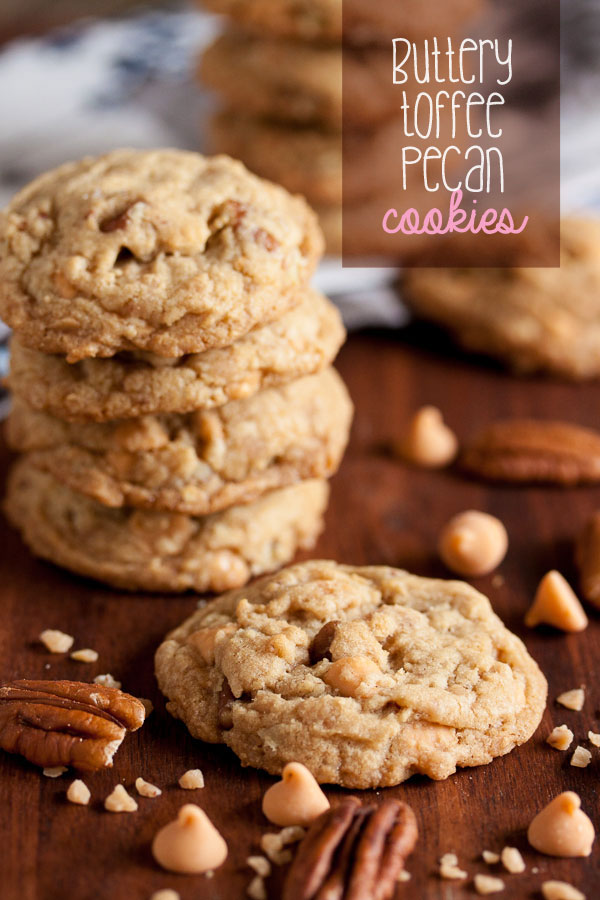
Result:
{"points": [[561, 737], [163, 250], [269, 696], [562, 828], [556, 604], [488, 884], [428, 441], [473, 543], [573, 699], [56, 641], [190, 844], [560, 890], [78, 792]]}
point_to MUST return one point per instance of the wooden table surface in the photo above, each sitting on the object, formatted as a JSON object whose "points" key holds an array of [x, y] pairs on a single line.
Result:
{"points": [[381, 512]]}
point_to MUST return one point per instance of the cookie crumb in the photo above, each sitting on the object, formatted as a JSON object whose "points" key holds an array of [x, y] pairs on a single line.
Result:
{"points": [[450, 869], [56, 641], [192, 780], [86, 655], [256, 890], [78, 792], [165, 894], [581, 757], [291, 834], [404, 875], [560, 890], [488, 884], [120, 801], [108, 681], [490, 858], [512, 860], [560, 737], [272, 846], [573, 699], [145, 789], [260, 864], [54, 771], [594, 738]]}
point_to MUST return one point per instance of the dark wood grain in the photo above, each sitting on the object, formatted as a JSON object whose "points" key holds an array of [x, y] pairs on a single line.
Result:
{"points": [[381, 512]]}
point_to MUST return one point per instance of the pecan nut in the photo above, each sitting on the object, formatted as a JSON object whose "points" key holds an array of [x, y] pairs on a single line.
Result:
{"points": [[320, 644], [353, 852], [66, 723], [522, 450]]}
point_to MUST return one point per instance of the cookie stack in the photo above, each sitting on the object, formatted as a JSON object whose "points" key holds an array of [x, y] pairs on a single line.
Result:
{"points": [[174, 399], [277, 70]]}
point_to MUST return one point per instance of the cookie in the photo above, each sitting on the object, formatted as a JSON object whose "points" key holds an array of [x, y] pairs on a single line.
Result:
{"points": [[163, 251], [301, 19], [158, 551], [366, 675], [544, 319], [303, 341], [330, 220], [197, 463], [304, 160]]}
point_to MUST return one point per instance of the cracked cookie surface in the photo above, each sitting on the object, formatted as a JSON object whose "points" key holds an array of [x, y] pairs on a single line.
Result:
{"points": [[197, 463], [366, 675], [159, 551], [164, 251], [531, 318], [302, 341]]}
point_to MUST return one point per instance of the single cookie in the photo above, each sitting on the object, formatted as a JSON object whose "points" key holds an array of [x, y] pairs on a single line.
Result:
{"points": [[304, 340], [304, 160], [197, 463], [309, 20], [164, 250], [156, 551], [531, 318], [366, 675]]}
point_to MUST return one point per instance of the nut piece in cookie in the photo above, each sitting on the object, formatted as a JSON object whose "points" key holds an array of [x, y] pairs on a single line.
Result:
{"points": [[365, 675], [66, 723], [353, 851]]}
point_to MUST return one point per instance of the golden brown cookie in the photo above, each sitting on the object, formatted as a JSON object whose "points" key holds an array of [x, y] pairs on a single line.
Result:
{"points": [[531, 318], [197, 463], [302, 341], [164, 251], [301, 19], [160, 551], [366, 675]]}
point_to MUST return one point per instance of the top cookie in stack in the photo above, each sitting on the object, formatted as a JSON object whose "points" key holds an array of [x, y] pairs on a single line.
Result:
{"points": [[162, 298]]}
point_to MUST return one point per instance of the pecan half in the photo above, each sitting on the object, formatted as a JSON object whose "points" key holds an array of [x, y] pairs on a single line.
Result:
{"points": [[588, 560], [66, 723], [320, 644], [353, 852], [531, 450]]}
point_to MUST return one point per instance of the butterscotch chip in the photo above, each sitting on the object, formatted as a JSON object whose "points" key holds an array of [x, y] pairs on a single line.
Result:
{"points": [[560, 737], [56, 641], [145, 789], [257, 890], [86, 656], [108, 681], [295, 800], [560, 890], [488, 884], [260, 864], [473, 543], [428, 441], [490, 858], [556, 604], [512, 860], [120, 801], [78, 792], [581, 758], [594, 738], [573, 699], [192, 780], [190, 844], [54, 771], [562, 828], [163, 250]]}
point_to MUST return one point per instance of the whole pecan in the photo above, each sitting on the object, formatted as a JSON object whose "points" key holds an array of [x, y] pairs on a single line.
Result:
{"points": [[534, 450], [353, 852], [66, 723]]}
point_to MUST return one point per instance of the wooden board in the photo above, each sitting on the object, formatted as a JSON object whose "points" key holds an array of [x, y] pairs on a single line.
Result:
{"points": [[381, 512]]}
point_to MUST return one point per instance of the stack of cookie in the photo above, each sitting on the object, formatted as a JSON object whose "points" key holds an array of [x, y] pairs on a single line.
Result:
{"points": [[277, 70], [174, 399]]}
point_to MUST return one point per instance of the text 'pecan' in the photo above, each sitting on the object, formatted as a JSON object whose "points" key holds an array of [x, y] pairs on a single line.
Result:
{"points": [[524, 450], [66, 723], [353, 852]]}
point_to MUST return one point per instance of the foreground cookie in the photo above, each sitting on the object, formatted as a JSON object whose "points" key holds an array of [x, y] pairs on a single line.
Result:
{"points": [[152, 551], [197, 463], [304, 340], [366, 675], [164, 251], [533, 319]]}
